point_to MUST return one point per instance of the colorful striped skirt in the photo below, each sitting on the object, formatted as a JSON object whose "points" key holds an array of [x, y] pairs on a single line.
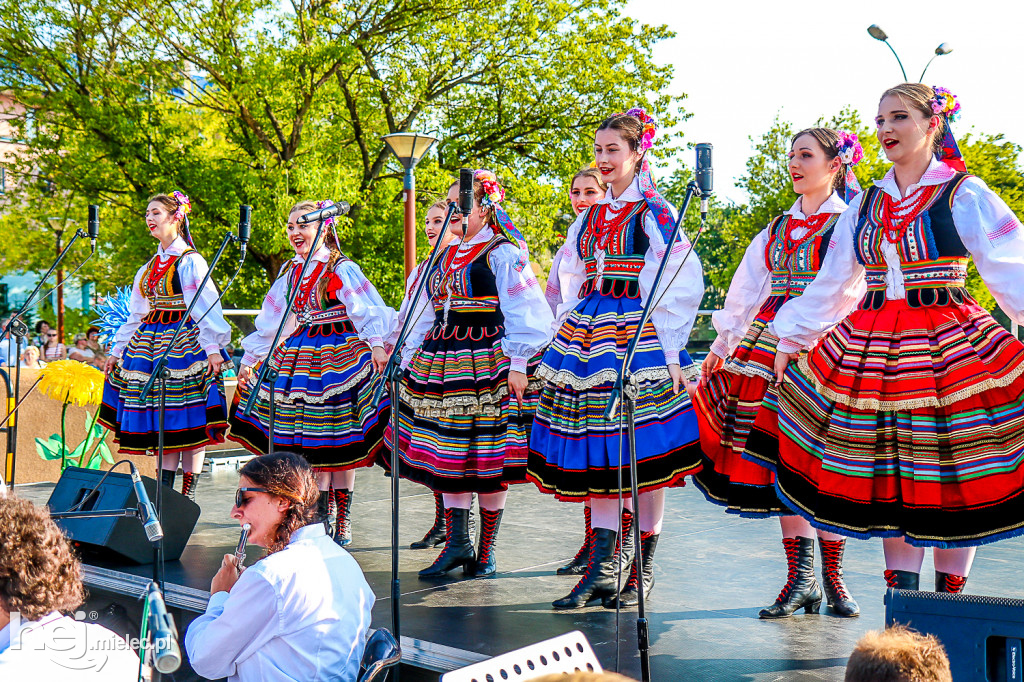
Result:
{"points": [[323, 395], [196, 410], [459, 430], [727, 405], [575, 453], [907, 421]]}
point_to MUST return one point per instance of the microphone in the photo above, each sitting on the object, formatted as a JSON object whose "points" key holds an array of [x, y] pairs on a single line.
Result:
{"points": [[465, 197], [340, 208], [166, 653], [705, 176], [244, 218], [240, 550], [94, 224], [147, 512]]}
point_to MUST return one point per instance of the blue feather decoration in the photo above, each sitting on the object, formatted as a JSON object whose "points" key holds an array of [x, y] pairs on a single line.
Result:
{"points": [[113, 313]]}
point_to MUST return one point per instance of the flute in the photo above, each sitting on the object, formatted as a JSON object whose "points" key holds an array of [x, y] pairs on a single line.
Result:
{"points": [[240, 550]]}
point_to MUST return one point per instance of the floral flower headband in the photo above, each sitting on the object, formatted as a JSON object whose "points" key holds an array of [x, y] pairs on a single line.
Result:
{"points": [[945, 103], [184, 205], [850, 150], [494, 193], [650, 127]]}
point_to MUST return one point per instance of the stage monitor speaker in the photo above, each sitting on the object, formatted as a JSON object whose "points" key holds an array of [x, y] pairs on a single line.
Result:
{"points": [[119, 538], [982, 635]]}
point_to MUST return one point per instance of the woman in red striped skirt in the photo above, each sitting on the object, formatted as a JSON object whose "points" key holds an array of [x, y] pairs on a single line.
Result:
{"points": [[780, 261], [906, 421]]}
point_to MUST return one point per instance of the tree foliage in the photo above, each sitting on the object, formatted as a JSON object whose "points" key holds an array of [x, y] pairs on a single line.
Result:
{"points": [[252, 101]]}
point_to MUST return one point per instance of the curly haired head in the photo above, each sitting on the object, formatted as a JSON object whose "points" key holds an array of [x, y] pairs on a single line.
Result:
{"points": [[38, 571], [898, 654], [286, 475]]}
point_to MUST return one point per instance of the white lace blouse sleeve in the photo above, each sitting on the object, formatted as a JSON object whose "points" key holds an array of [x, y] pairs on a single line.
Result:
{"points": [[373, 319], [831, 296], [138, 308], [420, 327], [527, 315], [257, 345], [572, 273], [995, 238], [214, 331], [552, 291], [676, 311], [403, 310], [748, 290]]}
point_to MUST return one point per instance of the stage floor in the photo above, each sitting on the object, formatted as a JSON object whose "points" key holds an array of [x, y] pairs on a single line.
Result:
{"points": [[713, 573]]}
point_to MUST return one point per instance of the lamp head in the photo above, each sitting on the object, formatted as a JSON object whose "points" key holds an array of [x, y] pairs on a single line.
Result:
{"points": [[943, 48], [409, 147], [877, 33]]}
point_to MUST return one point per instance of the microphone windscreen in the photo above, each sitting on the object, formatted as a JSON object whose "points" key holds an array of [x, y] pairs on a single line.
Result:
{"points": [[466, 191]]}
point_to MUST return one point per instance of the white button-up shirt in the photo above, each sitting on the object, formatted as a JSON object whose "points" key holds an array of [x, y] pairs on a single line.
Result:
{"points": [[299, 614], [57, 647]]}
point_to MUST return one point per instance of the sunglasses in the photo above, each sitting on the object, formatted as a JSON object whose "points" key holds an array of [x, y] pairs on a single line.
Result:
{"points": [[52, 335], [241, 501]]}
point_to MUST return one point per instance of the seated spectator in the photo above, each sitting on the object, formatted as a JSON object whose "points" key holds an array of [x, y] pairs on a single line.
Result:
{"points": [[30, 358], [92, 340], [299, 613], [898, 654], [53, 349], [81, 351], [39, 579], [42, 326], [8, 352]]}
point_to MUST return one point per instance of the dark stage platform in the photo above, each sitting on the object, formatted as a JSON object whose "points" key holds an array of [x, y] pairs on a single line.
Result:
{"points": [[713, 571]]}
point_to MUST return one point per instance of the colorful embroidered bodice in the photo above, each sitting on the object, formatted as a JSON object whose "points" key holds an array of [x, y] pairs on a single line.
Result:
{"points": [[161, 284], [311, 306], [462, 281], [930, 249], [793, 263], [614, 244]]}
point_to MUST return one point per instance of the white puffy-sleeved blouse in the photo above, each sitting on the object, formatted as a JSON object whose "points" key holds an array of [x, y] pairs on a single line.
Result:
{"points": [[752, 283], [987, 227], [676, 312], [214, 332], [373, 320]]}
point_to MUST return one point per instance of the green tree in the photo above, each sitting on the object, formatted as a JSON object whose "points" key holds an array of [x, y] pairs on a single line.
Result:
{"points": [[251, 101]]}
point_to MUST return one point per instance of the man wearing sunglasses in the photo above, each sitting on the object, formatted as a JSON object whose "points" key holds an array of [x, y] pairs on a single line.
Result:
{"points": [[299, 613]]}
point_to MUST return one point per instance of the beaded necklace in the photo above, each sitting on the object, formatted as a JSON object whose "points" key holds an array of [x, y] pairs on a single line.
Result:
{"points": [[306, 287], [895, 226], [812, 224]]}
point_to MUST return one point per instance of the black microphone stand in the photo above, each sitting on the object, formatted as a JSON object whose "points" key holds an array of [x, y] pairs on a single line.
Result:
{"points": [[160, 374], [392, 375], [17, 330], [627, 395], [267, 373]]}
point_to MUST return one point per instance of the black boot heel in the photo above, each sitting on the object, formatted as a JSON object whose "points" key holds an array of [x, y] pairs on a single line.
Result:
{"points": [[801, 589]]}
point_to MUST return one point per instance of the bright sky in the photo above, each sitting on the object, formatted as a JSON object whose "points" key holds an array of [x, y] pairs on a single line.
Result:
{"points": [[742, 61]]}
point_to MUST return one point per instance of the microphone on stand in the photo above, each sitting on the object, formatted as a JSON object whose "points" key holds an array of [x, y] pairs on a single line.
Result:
{"points": [[94, 224], [147, 512], [166, 652], [240, 549], [340, 208], [465, 197], [705, 176], [244, 219]]}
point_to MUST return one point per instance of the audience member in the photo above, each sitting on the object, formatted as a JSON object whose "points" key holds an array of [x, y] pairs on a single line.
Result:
{"points": [[81, 351], [53, 349], [299, 613], [40, 579], [92, 340], [42, 326], [8, 352], [30, 358], [898, 654]]}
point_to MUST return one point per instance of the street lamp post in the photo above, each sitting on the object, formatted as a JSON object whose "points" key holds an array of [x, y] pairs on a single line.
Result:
{"points": [[876, 32], [409, 148]]}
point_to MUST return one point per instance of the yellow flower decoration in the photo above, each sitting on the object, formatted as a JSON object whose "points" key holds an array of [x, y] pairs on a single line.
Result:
{"points": [[70, 381]]}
